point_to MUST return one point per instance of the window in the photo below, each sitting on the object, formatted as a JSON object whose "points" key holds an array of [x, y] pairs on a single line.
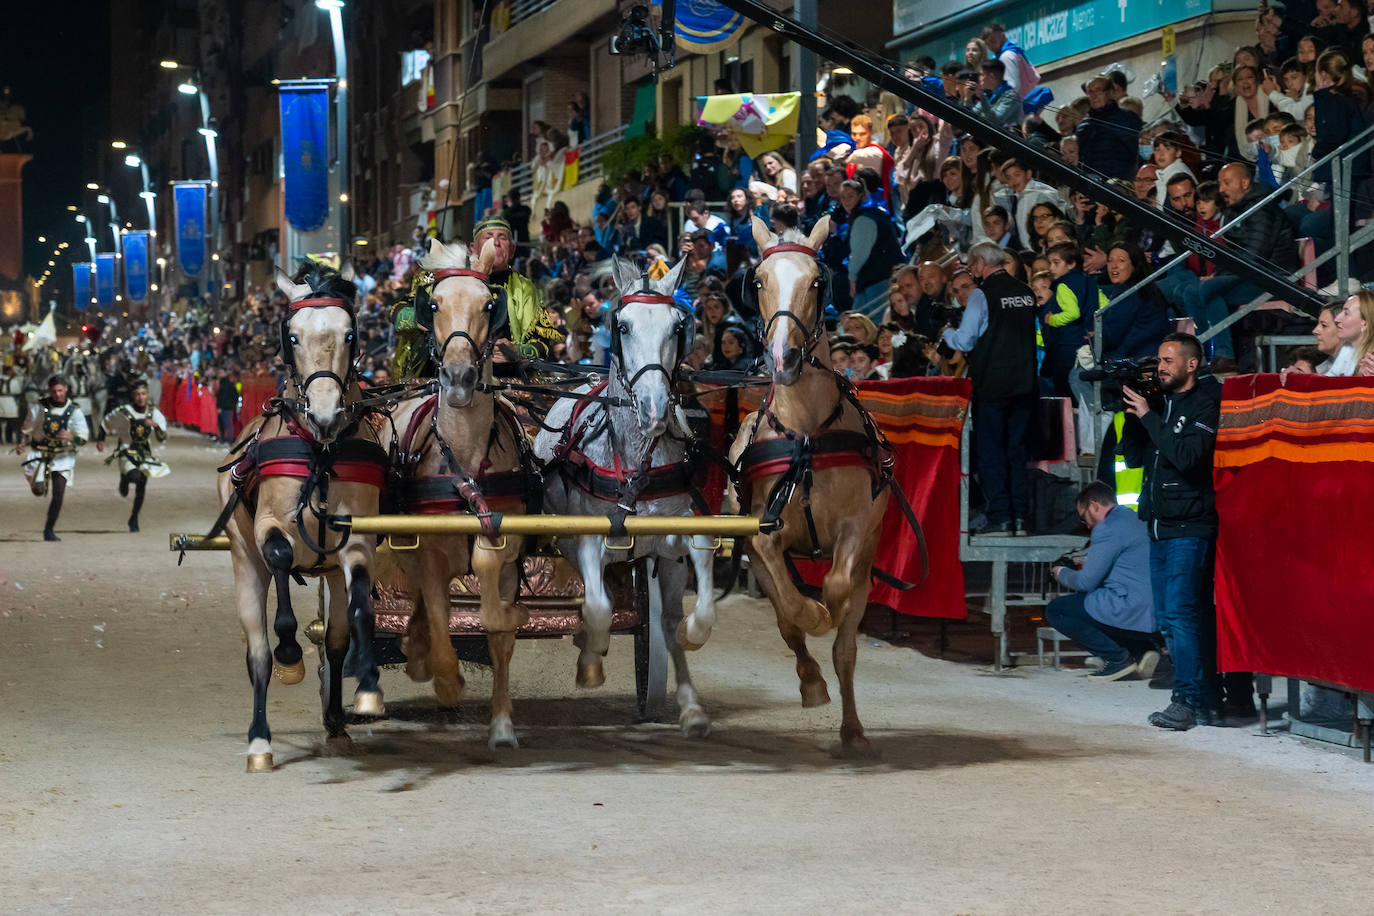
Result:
{"points": [[413, 64]]}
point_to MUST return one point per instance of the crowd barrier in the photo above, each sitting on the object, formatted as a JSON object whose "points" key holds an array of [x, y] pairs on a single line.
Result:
{"points": [[1295, 496]]}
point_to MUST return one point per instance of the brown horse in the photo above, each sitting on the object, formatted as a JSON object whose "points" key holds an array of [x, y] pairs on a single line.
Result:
{"points": [[461, 450], [311, 453], [837, 513]]}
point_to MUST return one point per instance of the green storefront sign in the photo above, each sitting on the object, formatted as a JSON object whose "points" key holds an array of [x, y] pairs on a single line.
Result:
{"points": [[1046, 31]]}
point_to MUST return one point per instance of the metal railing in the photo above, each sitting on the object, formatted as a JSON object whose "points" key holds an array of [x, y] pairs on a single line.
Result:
{"points": [[521, 10], [589, 158]]}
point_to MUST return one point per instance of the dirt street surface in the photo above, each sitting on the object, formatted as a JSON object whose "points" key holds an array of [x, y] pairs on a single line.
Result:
{"points": [[125, 707]]}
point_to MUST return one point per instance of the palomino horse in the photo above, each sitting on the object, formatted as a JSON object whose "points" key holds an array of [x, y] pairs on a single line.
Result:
{"points": [[309, 454], [462, 450], [808, 431], [623, 448]]}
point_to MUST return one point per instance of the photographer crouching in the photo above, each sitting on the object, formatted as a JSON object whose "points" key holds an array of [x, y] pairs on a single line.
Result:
{"points": [[1111, 612], [1173, 438]]}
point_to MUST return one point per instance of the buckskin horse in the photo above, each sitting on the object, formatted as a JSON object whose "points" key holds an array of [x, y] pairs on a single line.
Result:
{"points": [[311, 453], [462, 450], [623, 448], [813, 457]]}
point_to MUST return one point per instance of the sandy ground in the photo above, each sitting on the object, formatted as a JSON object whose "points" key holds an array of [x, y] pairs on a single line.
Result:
{"points": [[125, 706]]}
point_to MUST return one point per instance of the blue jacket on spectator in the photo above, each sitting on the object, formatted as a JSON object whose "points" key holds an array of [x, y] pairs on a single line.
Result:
{"points": [[1116, 573]]}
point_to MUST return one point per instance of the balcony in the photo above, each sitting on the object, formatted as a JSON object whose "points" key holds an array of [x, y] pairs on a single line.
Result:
{"points": [[588, 163], [535, 27]]}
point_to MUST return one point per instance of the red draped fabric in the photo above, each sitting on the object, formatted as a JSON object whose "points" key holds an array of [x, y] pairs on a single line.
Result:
{"points": [[923, 419], [1294, 474]]}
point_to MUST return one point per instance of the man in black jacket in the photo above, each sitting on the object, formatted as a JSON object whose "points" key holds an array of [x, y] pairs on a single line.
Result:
{"points": [[638, 231], [997, 331], [1109, 137], [1265, 235], [1173, 441]]}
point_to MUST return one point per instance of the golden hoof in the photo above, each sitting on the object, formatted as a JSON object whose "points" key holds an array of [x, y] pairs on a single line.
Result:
{"points": [[259, 763], [368, 703], [593, 675], [682, 639], [289, 674]]}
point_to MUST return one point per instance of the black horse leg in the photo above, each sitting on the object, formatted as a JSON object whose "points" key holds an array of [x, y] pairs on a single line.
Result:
{"points": [[278, 554], [360, 622], [260, 674]]}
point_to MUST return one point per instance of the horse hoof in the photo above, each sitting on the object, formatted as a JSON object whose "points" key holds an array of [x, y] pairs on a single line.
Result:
{"points": [[448, 692], [819, 624], [593, 675], [260, 763], [339, 745], [289, 674], [368, 703], [502, 735], [855, 747], [682, 639], [814, 693], [695, 723], [418, 670]]}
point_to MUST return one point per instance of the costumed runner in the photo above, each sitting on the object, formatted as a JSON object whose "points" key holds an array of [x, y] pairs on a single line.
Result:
{"points": [[532, 334], [135, 425], [53, 432]]}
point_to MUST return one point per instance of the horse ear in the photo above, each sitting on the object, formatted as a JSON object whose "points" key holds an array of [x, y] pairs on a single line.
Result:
{"points": [[487, 258], [348, 273], [763, 236], [673, 277], [292, 291], [819, 233], [436, 248], [624, 273]]}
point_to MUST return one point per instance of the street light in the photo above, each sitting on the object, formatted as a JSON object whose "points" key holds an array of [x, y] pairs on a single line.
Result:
{"points": [[92, 186], [188, 88], [169, 65], [118, 144]]}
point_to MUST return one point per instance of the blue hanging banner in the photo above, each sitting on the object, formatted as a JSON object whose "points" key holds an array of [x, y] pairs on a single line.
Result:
{"points": [[189, 198], [705, 26], [81, 286], [305, 153], [136, 265], [105, 281]]}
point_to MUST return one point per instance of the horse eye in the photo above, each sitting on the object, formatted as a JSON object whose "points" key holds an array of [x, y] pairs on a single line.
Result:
{"points": [[816, 283], [295, 339], [758, 284], [434, 306], [623, 328]]}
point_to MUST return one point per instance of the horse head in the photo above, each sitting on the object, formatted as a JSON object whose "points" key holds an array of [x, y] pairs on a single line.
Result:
{"points": [[791, 286], [319, 343], [650, 336], [460, 314]]}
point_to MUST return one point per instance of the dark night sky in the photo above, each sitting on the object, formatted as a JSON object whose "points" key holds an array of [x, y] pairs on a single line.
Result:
{"points": [[56, 63]]}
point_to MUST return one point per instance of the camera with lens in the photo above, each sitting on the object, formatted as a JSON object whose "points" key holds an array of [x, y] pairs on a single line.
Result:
{"points": [[1140, 375]]}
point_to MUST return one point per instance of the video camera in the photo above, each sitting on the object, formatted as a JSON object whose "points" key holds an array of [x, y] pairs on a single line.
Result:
{"points": [[1140, 375], [637, 37]]}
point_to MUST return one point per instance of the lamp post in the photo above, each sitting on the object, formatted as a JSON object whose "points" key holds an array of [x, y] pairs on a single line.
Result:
{"points": [[192, 85], [335, 10], [107, 199], [133, 160]]}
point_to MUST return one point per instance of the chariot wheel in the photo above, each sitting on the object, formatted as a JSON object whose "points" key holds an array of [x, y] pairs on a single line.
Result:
{"points": [[651, 651]]}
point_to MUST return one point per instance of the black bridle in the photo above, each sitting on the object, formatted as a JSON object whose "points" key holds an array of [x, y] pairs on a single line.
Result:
{"points": [[817, 329], [483, 352], [302, 387]]}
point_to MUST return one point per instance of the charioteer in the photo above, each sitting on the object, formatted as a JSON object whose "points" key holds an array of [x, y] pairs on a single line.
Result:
{"points": [[532, 334], [135, 426], [54, 431]]}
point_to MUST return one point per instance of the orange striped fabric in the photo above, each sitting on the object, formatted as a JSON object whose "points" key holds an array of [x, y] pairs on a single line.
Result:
{"points": [[1310, 420]]}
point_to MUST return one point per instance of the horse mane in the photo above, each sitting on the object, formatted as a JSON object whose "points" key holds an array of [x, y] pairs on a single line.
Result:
{"points": [[325, 282], [455, 255], [792, 236]]}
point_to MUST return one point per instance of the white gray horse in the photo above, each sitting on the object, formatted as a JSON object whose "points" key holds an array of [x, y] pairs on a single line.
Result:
{"points": [[623, 447]]}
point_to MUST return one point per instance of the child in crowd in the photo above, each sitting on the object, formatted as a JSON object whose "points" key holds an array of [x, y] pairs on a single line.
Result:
{"points": [[1068, 150], [995, 223], [1042, 285], [1294, 98], [1067, 318], [1169, 157]]}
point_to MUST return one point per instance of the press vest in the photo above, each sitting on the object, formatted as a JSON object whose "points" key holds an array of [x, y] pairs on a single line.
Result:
{"points": [[1002, 363]]}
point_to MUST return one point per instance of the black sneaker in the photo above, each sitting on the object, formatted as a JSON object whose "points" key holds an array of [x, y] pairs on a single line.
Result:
{"points": [[1022, 528], [995, 530], [1179, 717], [1115, 671], [133, 524], [49, 536], [1164, 675]]}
